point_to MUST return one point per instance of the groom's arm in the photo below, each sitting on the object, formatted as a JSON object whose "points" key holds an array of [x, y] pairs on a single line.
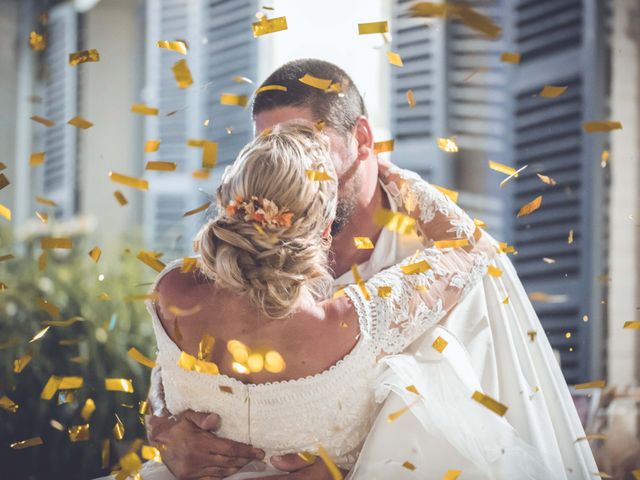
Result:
{"points": [[187, 444]]}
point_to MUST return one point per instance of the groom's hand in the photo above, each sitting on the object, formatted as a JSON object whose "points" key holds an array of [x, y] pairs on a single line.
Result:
{"points": [[300, 469], [190, 450]]}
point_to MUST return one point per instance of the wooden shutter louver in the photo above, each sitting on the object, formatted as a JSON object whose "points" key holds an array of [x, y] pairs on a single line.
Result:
{"points": [[60, 91]]}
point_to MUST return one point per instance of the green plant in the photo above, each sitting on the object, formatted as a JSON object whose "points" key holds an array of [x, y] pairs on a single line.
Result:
{"points": [[94, 349]]}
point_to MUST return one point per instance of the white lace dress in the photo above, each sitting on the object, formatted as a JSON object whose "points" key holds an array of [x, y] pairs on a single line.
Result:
{"points": [[335, 409]]}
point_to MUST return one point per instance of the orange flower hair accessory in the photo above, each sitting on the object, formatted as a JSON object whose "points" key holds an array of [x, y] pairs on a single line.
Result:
{"points": [[260, 210]]}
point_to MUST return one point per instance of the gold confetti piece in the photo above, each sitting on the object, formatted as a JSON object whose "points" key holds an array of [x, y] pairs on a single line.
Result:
{"points": [[409, 466], [187, 264], [122, 200], [79, 433], [136, 355], [201, 174], [39, 335], [510, 57], [636, 474], [273, 362], [143, 109], [453, 243], [603, 126], [490, 403], [182, 74], [593, 436], [413, 268], [199, 209], [494, 271], [384, 292], [551, 91], [44, 121], [43, 217], [373, 27], [307, 457], [440, 344], [395, 59], [394, 221], [84, 56], [205, 346], [604, 158], [393, 416], [546, 179], [5, 212], [570, 238], [174, 46], [46, 201], [151, 453], [87, 410], [360, 282], [160, 166], [385, 146], [319, 83], [20, 363], [70, 383], [593, 384], [363, 243], [56, 242], [632, 324], [37, 41], [184, 312], [36, 158], [50, 388], [317, 175], [118, 429], [266, 26], [267, 88], [412, 389], [151, 146], [530, 207], [195, 142], [8, 405], [452, 474], [411, 98], [338, 293], [3, 165], [209, 154], [30, 442], [4, 181], [4, 258], [453, 195], [129, 181], [143, 407], [601, 475], [333, 470], [192, 364], [498, 167], [104, 296], [80, 122], [104, 453], [42, 260], [118, 385], [143, 296], [95, 254], [233, 99], [343, 325], [319, 125], [48, 307], [447, 145], [3, 287]]}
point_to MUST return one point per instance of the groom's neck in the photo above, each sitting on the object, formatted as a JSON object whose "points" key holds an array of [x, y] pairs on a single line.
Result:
{"points": [[361, 224]]}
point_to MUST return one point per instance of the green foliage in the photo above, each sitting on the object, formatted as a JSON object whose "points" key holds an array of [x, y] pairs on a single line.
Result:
{"points": [[110, 327]]}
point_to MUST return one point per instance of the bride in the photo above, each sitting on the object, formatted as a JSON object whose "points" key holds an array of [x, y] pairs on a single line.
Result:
{"points": [[253, 333]]}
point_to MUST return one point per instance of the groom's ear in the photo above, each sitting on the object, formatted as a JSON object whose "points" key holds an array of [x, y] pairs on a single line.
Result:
{"points": [[364, 138]]}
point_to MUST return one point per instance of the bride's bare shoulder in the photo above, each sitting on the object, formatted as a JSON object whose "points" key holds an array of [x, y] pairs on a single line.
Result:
{"points": [[342, 311]]}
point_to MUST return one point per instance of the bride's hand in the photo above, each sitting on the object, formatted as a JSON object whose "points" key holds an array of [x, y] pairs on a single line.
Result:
{"points": [[299, 469]]}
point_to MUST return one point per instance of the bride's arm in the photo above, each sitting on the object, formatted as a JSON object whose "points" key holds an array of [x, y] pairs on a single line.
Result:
{"points": [[400, 303]]}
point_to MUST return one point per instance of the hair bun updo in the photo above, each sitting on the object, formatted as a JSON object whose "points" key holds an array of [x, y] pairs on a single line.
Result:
{"points": [[273, 263]]}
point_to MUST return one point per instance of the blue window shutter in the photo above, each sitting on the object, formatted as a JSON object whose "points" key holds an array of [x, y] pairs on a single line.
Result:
{"points": [[60, 95], [561, 44], [220, 46]]}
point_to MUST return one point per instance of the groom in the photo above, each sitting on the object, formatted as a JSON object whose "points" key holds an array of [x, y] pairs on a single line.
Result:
{"points": [[190, 448]]}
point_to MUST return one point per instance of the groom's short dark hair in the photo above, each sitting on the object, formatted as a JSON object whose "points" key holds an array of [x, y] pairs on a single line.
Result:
{"points": [[339, 110]]}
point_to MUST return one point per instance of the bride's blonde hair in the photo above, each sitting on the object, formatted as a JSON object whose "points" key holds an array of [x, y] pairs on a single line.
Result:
{"points": [[271, 263]]}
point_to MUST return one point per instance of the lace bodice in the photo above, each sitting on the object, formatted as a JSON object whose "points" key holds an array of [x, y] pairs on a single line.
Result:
{"points": [[334, 409]]}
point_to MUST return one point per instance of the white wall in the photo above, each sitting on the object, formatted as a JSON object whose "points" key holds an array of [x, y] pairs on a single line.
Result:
{"points": [[329, 30]]}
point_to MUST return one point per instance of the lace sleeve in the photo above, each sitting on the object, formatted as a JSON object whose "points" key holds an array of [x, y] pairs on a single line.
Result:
{"points": [[400, 303]]}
